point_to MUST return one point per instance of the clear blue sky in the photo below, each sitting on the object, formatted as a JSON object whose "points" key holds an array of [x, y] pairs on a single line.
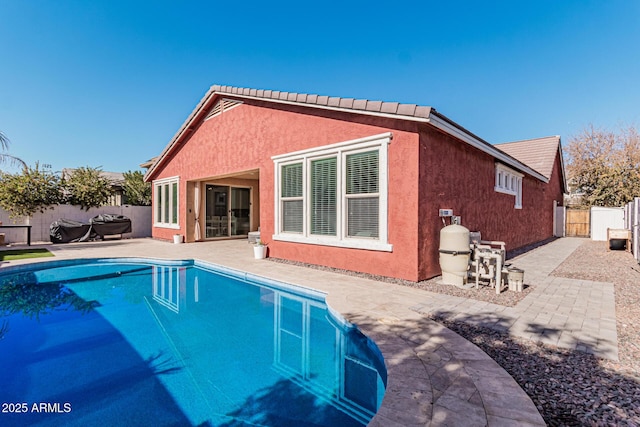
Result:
{"points": [[107, 83]]}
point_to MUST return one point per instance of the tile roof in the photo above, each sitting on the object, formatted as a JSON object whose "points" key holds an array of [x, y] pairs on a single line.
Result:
{"points": [[539, 153], [360, 105], [396, 110]]}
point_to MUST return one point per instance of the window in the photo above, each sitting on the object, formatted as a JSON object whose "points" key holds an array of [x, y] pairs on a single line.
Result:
{"points": [[509, 181], [324, 203], [362, 194], [334, 195], [291, 194], [166, 203]]}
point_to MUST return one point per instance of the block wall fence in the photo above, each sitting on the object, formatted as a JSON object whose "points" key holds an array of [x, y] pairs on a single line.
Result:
{"points": [[141, 220]]}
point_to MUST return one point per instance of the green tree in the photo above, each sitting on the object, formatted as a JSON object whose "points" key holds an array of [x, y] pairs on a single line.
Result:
{"points": [[137, 191], [4, 146], [32, 190], [604, 166], [86, 187]]}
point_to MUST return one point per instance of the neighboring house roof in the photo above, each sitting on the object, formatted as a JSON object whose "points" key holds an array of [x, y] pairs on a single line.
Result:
{"points": [[539, 154], [412, 112], [115, 178], [149, 163]]}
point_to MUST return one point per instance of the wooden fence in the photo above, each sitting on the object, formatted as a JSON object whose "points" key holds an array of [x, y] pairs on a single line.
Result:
{"points": [[577, 223]]}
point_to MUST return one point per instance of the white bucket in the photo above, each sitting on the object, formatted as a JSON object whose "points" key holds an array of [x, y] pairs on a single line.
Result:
{"points": [[516, 279], [177, 238], [260, 251]]}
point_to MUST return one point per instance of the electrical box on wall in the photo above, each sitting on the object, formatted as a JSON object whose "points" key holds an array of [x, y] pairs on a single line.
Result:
{"points": [[446, 212]]}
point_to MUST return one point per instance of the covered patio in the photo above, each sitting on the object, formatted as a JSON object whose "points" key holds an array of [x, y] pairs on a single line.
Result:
{"points": [[223, 207]]}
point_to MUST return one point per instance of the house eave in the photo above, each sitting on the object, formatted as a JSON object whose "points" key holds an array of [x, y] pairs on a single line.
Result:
{"points": [[444, 124], [420, 114], [184, 130]]}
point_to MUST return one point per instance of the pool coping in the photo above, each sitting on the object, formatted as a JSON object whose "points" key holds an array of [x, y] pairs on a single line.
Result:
{"points": [[434, 376]]}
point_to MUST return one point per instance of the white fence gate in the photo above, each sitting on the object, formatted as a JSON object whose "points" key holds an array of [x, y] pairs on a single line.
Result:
{"points": [[559, 220], [631, 222], [140, 221], [603, 218]]}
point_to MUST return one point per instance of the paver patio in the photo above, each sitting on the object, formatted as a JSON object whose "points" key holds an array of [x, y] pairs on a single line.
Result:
{"points": [[568, 313]]}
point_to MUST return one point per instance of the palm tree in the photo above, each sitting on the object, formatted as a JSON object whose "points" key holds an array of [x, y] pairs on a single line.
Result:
{"points": [[4, 145]]}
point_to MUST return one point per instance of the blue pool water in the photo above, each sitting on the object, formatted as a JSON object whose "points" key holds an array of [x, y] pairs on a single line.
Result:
{"points": [[130, 342]]}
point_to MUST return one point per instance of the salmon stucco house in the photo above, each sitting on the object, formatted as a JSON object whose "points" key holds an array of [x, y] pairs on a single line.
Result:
{"points": [[347, 183]]}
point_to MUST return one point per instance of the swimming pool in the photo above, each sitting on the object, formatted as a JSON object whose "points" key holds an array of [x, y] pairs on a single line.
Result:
{"points": [[140, 342]]}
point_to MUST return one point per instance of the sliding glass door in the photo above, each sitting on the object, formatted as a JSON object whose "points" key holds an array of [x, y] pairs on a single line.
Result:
{"points": [[240, 210], [227, 211]]}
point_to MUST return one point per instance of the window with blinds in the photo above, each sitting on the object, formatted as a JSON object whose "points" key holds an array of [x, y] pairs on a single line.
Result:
{"points": [[291, 198], [323, 196], [166, 202], [334, 195], [362, 197]]}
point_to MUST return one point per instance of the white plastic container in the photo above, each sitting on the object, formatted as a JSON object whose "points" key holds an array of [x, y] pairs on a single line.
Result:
{"points": [[260, 251], [454, 254]]}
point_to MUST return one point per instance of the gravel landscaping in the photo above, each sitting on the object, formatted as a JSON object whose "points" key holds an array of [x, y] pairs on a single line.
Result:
{"points": [[572, 387]]}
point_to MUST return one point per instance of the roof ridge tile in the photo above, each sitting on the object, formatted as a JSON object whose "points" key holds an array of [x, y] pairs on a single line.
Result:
{"points": [[346, 103], [386, 107], [334, 101], [389, 107], [374, 106]]}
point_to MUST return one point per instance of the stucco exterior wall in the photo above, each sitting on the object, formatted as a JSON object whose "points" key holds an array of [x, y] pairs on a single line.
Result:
{"points": [[457, 176], [245, 137]]}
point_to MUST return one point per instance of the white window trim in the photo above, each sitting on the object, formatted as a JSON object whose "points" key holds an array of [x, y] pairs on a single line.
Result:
{"points": [[509, 181], [156, 184], [339, 150]]}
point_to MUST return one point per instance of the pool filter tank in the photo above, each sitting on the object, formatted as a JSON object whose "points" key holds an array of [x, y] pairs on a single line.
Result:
{"points": [[454, 254]]}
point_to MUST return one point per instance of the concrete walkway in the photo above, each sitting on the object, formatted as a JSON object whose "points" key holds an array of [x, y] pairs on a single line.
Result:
{"points": [[435, 377], [568, 313]]}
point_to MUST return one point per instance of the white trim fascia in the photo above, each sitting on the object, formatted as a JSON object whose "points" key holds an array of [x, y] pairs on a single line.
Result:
{"points": [[163, 180], [330, 149], [484, 147], [508, 170], [166, 225], [366, 244]]}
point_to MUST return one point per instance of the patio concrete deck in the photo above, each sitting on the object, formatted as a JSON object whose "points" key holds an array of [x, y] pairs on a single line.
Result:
{"points": [[568, 313], [435, 377]]}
